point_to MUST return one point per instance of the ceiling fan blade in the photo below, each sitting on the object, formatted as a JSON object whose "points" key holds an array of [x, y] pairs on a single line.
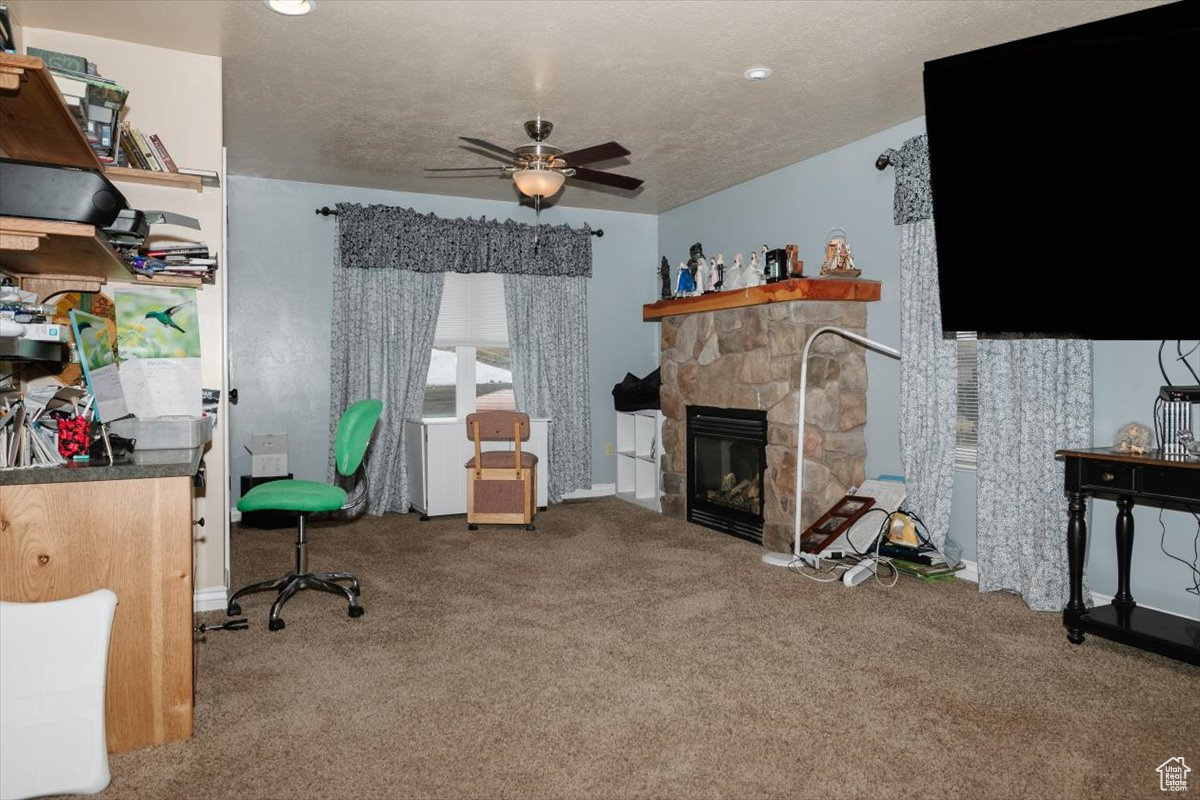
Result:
{"points": [[589, 155], [487, 168], [607, 178], [491, 148]]}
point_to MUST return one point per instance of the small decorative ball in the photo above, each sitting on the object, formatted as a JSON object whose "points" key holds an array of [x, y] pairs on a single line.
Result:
{"points": [[1132, 437]]}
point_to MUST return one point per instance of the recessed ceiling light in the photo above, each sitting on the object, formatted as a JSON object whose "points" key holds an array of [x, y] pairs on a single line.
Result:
{"points": [[291, 8], [757, 73]]}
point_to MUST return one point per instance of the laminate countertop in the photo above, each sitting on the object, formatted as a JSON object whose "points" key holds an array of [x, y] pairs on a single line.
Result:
{"points": [[98, 470]]}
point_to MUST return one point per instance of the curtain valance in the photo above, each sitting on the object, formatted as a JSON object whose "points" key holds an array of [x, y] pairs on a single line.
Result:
{"points": [[379, 236]]}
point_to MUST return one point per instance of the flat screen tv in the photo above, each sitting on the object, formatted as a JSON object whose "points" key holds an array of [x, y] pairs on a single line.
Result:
{"points": [[1065, 171]]}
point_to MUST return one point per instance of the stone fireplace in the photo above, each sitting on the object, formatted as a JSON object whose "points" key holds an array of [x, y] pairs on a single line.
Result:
{"points": [[748, 357]]}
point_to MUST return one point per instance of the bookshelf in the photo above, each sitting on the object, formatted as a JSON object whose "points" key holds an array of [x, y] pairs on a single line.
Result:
{"points": [[35, 124], [639, 438], [153, 178], [50, 256]]}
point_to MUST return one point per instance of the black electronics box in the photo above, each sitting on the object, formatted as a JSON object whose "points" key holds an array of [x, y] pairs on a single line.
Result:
{"points": [[1180, 394], [266, 519], [64, 194], [776, 268]]}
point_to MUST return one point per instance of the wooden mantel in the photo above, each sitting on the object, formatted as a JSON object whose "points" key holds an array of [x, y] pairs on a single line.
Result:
{"points": [[839, 289]]}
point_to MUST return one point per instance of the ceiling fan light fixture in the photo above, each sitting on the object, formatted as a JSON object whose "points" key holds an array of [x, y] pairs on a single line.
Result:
{"points": [[757, 73], [291, 8], [537, 180]]}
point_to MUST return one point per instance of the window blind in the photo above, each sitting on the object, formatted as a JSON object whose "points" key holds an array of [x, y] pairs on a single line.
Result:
{"points": [[472, 311], [967, 394]]}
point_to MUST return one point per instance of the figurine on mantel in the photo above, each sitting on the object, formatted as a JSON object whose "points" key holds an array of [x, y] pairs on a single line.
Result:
{"points": [[764, 276], [696, 263], [716, 273], [753, 276], [839, 261], [685, 284], [664, 277], [736, 278]]}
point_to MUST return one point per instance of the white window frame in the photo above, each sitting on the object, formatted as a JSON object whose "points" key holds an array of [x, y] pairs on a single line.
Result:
{"points": [[465, 401], [966, 448]]}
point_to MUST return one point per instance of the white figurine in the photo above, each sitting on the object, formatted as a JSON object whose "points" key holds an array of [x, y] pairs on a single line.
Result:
{"points": [[701, 275], [753, 275], [714, 276], [736, 278]]}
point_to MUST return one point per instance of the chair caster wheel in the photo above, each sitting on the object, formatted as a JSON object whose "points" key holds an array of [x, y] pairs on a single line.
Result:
{"points": [[276, 624], [356, 611], [424, 518], [233, 610], [530, 527], [472, 527]]}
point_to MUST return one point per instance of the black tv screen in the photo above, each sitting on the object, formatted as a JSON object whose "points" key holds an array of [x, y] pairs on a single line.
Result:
{"points": [[1065, 172]]}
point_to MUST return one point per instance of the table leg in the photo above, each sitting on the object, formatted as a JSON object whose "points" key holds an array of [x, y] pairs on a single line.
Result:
{"points": [[1076, 545], [1123, 598]]}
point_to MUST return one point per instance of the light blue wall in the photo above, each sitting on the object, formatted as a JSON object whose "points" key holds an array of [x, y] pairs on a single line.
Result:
{"points": [[281, 257], [842, 188], [1125, 382]]}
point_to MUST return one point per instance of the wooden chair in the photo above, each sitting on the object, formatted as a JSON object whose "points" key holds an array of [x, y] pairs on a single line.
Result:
{"points": [[501, 484]]}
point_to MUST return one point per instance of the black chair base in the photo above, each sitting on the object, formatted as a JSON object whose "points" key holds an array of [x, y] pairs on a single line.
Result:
{"points": [[293, 582]]}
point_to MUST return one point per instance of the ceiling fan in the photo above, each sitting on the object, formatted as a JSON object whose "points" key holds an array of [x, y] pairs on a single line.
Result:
{"points": [[539, 169]]}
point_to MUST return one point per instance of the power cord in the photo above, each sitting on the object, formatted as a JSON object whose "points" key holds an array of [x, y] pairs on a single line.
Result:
{"points": [[1194, 566]]}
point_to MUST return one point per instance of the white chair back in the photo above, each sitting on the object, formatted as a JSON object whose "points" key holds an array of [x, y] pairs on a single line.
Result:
{"points": [[53, 658]]}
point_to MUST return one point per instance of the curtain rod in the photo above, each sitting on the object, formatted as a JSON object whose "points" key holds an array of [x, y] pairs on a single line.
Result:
{"points": [[326, 211]]}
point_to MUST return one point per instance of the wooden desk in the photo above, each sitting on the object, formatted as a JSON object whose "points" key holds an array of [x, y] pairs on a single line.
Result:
{"points": [[68, 532], [1127, 478]]}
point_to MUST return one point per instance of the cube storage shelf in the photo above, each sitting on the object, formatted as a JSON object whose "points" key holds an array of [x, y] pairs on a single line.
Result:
{"points": [[639, 447]]}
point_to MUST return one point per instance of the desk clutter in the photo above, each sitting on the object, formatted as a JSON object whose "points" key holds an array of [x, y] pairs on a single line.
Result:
{"points": [[130, 389]]}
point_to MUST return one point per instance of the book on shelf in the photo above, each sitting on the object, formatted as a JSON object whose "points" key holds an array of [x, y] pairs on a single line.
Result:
{"points": [[208, 177], [140, 139], [56, 60], [164, 157], [7, 43]]}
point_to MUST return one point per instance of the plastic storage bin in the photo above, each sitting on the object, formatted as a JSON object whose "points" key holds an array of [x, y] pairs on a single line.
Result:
{"points": [[165, 440]]}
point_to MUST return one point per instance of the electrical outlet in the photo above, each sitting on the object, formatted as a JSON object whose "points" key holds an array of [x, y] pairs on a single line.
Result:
{"points": [[608, 448]]}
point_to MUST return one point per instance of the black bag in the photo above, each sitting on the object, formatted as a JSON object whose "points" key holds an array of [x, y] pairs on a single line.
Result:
{"points": [[636, 394]]}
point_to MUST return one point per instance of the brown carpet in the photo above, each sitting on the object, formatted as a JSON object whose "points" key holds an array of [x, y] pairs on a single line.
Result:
{"points": [[614, 653]]}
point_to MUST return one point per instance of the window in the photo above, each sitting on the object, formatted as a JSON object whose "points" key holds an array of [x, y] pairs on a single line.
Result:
{"points": [[470, 368], [967, 422]]}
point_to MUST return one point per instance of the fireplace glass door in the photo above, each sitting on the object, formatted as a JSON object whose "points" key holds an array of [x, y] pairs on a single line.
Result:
{"points": [[726, 460]]}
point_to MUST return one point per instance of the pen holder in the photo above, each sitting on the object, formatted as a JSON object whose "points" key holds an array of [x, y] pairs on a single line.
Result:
{"points": [[74, 436]]}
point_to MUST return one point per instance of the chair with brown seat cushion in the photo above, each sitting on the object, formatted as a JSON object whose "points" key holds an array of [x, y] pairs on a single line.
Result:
{"points": [[501, 484]]}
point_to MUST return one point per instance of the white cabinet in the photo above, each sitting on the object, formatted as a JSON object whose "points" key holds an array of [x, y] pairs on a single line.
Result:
{"points": [[639, 447], [437, 451]]}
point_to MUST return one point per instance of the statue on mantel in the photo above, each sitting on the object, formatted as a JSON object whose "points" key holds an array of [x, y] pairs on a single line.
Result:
{"points": [[685, 285], [736, 277], [754, 275], [664, 278], [716, 273]]}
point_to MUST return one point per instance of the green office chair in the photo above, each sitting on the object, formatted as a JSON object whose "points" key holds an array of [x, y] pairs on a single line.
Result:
{"points": [[309, 497]]}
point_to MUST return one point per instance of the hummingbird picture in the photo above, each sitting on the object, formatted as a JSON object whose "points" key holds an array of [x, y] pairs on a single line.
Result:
{"points": [[164, 317]]}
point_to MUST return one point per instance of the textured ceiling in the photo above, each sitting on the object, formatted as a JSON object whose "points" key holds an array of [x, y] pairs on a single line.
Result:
{"points": [[369, 93]]}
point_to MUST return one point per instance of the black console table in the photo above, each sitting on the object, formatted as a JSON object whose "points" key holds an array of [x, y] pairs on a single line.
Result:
{"points": [[1127, 478]]}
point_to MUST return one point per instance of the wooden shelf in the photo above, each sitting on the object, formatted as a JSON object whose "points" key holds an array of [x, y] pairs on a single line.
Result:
{"points": [[49, 257], [172, 179], [837, 289], [35, 124]]}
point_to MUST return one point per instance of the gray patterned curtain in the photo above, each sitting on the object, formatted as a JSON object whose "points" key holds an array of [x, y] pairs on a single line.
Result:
{"points": [[383, 326], [1035, 397], [929, 368], [387, 294], [547, 336]]}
